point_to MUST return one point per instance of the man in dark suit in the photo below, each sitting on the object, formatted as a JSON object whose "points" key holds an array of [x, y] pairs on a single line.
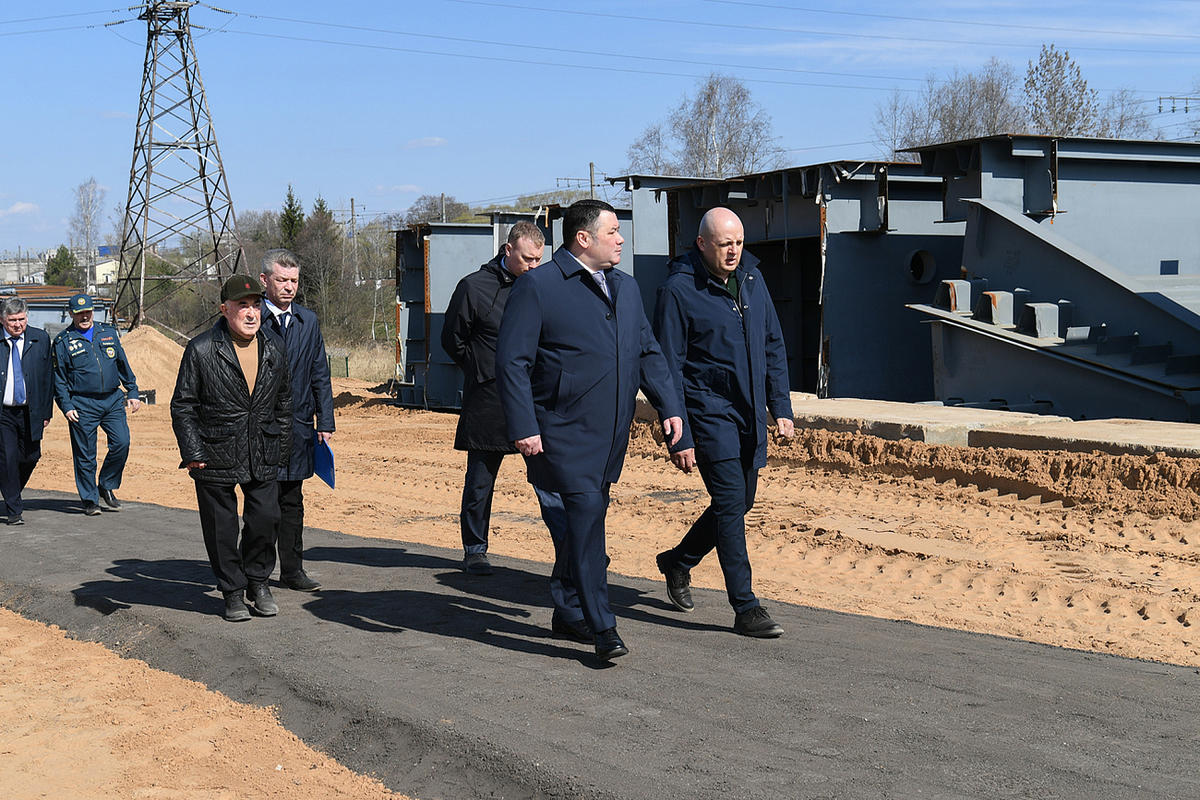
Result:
{"points": [[312, 399], [472, 325], [574, 346], [718, 329], [28, 402]]}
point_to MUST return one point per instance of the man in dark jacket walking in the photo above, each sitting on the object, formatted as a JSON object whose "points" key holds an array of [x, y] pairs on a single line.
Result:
{"points": [[718, 329], [232, 416], [312, 399], [469, 334], [574, 347]]}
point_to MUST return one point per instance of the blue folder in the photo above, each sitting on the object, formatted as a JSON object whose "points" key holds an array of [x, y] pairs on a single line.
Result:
{"points": [[322, 459]]}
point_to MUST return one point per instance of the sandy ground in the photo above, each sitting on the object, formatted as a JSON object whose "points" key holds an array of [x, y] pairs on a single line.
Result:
{"points": [[1085, 551]]}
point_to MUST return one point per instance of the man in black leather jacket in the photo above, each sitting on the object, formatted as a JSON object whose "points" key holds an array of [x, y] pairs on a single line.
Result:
{"points": [[232, 416]]}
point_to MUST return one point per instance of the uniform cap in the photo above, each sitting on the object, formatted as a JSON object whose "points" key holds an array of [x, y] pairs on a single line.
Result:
{"points": [[79, 302], [240, 286]]}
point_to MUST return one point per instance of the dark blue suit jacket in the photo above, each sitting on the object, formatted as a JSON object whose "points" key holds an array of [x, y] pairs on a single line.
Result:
{"points": [[312, 393], [39, 378], [729, 354], [569, 364]]}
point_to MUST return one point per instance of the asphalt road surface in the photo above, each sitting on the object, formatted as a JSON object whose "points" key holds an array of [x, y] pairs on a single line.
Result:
{"points": [[447, 685]]}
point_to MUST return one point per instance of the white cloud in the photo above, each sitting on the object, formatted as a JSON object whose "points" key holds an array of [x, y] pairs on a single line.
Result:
{"points": [[19, 207], [426, 141]]}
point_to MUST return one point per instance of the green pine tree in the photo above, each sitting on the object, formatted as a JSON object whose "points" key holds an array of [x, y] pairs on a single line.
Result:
{"points": [[291, 219], [63, 270]]}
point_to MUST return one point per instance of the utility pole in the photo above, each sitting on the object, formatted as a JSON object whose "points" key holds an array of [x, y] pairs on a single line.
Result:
{"points": [[592, 180], [177, 185], [354, 239]]}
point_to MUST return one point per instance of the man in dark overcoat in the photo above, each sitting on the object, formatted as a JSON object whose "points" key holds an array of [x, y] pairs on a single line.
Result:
{"points": [[28, 402], [574, 347], [232, 417], [718, 328], [469, 333], [312, 405]]}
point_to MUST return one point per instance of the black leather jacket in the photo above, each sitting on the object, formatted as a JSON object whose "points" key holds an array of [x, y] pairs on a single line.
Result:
{"points": [[238, 436]]}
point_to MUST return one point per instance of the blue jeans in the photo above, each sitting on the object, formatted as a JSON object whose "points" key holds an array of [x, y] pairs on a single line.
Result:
{"points": [[731, 485]]}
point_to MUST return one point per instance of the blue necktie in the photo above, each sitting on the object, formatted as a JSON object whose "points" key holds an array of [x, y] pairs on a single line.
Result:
{"points": [[18, 374]]}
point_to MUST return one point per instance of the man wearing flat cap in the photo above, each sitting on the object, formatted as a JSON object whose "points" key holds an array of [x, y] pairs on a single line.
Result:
{"points": [[90, 369], [232, 416]]}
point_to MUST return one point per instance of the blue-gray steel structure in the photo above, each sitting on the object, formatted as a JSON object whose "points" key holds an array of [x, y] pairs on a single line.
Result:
{"points": [[843, 246], [1082, 267]]}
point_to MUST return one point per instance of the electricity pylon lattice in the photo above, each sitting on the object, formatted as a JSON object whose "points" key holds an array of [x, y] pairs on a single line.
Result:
{"points": [[179, 227]]}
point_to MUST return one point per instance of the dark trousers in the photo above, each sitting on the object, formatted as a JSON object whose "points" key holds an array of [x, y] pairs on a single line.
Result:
{"points": [[731, 485], [476, 514], [108, 413], [562, 586], [19, 454], [289, 534], [252, 560], [582, 559]]}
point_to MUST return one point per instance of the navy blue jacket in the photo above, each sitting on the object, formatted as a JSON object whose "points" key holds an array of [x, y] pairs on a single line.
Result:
{"points": [[569, 363], [312, 393], [95, 368], [729, 354], [35, 366]]}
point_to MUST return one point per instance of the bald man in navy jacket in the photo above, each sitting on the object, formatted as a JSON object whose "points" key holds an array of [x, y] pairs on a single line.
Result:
{"points": [[574, 347]]}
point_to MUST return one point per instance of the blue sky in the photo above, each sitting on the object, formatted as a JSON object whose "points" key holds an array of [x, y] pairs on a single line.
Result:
{"points": [[384, 101]]}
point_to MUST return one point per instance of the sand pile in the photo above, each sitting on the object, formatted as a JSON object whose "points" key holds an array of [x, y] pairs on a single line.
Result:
{"points": [[154, 358]]}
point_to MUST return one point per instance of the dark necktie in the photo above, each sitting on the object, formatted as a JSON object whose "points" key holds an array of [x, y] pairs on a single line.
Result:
{"points": [[282, 321], [17, 373]]}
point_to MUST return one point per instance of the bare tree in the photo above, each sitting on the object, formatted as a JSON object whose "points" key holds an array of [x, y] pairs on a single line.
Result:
{"points": [[962, 106], [720, 131], [1125, 117], [437, 208], [1058, 99], [85, 225]]}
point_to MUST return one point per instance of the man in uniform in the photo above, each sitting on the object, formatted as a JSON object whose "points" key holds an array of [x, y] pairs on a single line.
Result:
{"points": [[232, 417], [718, 329], [574, 346], [312, 398], [90, 368], [472, 325], [28, 407]]}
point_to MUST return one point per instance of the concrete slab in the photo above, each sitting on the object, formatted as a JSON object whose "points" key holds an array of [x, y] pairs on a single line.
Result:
{"points": [[1115, 436], [892, 420], [448, 685]]}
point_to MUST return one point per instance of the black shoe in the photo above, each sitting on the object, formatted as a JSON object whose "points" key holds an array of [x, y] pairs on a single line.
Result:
{"points": [[299, 582], [91, 509], [18, 521], [575, 630], [609, 645], [757, 622], [235, 607], [260, 595], [109, 499], [679, 582], [477, 564]]}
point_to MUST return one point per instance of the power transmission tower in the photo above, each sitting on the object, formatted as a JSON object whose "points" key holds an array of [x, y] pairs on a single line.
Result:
{"points": [[178, 196]]}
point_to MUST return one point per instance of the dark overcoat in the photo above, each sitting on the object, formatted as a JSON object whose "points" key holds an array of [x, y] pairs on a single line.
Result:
{"points": [[469, 335], [569, 364], [729, 354], [39, 380], [238, 435], [312, 393]]}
